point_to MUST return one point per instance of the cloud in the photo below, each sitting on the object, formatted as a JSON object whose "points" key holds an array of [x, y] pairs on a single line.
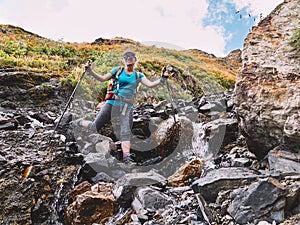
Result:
{"points": [[175, 22], [257, 7]]}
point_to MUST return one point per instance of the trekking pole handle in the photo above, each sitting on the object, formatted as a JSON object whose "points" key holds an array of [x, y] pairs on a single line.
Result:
{"points": [[88, 65]]}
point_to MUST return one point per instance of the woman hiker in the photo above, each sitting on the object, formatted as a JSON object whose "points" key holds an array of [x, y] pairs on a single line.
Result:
{"points": [[120, 105]]}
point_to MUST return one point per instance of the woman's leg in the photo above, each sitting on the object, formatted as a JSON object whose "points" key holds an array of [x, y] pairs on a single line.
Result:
{"points": [[125, 131], [103, 117]]}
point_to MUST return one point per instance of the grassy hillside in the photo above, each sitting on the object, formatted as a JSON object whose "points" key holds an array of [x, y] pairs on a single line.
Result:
{"points": [[198, 72]]}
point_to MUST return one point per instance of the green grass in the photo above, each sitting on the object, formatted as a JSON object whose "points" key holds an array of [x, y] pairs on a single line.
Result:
{"points": [[295, 40], [22, 50]]}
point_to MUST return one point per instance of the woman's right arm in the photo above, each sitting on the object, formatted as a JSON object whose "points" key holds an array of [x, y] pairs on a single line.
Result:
{"points": [[97, 76]]}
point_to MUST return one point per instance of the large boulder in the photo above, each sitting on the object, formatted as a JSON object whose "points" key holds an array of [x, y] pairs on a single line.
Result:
{"points": [[221, 179], [263, 200], [268, 86]]}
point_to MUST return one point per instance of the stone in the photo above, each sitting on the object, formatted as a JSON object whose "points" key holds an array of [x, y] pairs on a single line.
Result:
{"points": [[8, 124], [223, 179], [292, 197], [151, 198], [90, 207], [283, 162], [190, 170], [125, 186], [79, 189], [166, 136], [263, 200], [219, 133], [268, 86]]}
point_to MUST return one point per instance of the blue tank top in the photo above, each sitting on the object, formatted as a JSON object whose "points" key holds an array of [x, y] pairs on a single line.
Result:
{"points": [[127, 85]]}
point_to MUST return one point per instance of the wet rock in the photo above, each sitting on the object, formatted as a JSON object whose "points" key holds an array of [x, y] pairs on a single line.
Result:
{"points": [[102, 177], [90, 207], [99, 162], [203, 212], [86, 173], [202, 118], [3, 160], [240, 162], [8, 104], [263, 200], [219, 133], [23, 119], [42, 117], [79, 189], [166, 136], [190, 170], [63, 123]]}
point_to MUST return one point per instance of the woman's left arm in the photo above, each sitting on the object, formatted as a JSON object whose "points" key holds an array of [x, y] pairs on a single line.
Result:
{"points": [[161, 80], [150, 83]]}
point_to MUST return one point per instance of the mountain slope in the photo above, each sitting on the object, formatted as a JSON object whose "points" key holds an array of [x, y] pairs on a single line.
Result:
{"points": [[197, 71]]}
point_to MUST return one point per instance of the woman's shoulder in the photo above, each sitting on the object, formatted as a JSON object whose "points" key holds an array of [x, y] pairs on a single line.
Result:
{"points": [[116, 69], [139, 74]]}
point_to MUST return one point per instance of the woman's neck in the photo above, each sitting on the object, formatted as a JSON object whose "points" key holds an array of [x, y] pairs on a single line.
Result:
{"points": [[129, 69]]}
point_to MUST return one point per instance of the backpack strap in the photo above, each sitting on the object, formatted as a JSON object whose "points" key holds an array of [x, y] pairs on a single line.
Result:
{"points": [[116, 78], [120, 70], [138, 80]]}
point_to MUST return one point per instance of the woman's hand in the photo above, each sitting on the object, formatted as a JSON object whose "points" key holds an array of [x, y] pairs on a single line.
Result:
{"points": [[167, 71], [164, 73], [88, 66]]}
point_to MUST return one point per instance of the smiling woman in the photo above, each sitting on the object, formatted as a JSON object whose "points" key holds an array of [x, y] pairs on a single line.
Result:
{"points": [[118, 108]]}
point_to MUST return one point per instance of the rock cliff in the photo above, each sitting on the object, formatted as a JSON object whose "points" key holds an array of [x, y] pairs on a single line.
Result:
{"points": [[268, 85]]}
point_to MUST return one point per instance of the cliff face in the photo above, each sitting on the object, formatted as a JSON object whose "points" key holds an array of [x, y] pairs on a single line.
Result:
{"points": [[268, 85]]}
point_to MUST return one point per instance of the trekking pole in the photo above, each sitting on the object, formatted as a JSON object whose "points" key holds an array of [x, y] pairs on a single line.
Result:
{"points": [[170, 68], [70, 99]]}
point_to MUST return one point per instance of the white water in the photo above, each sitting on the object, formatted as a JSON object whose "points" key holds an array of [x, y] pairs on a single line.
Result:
{"points": [[200, 146]]}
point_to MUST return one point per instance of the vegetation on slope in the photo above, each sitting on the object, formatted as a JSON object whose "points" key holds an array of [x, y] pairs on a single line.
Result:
{"points": [[198, 72]]}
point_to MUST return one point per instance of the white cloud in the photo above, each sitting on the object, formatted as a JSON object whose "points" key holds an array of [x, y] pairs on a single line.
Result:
{"points": [[176, 22], [257, 7]]}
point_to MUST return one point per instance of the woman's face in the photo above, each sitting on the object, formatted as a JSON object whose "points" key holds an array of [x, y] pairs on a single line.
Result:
{"points": [[129, 59]]}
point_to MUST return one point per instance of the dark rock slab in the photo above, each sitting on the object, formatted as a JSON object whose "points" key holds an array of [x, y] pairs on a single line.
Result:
{"points": [[223, 179]]}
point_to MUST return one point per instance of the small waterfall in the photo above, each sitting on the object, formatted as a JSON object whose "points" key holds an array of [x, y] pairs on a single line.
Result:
{"points": [[200, 145], [54, 217], [60, 201]]}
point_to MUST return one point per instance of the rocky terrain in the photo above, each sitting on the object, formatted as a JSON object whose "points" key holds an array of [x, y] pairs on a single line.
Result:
{"points": [[267, 89], [224, 158]]}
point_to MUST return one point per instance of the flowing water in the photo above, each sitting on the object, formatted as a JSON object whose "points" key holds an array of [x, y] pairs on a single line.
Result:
{"points": [[201, 146]]}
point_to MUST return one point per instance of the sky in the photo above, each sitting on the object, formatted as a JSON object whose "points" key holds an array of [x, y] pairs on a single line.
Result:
{"points": [[214, 26]]}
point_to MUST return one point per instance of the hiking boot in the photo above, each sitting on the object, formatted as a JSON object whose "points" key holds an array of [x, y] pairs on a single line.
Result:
{"points": [[77, 123], [129, 159]]}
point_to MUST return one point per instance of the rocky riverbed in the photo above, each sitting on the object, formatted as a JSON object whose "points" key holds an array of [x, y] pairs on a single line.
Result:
{"points": [[196, 171], [225, 158]]}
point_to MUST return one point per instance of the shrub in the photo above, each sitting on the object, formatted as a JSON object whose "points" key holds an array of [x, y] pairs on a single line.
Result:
{"points": [[295, 40]]}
